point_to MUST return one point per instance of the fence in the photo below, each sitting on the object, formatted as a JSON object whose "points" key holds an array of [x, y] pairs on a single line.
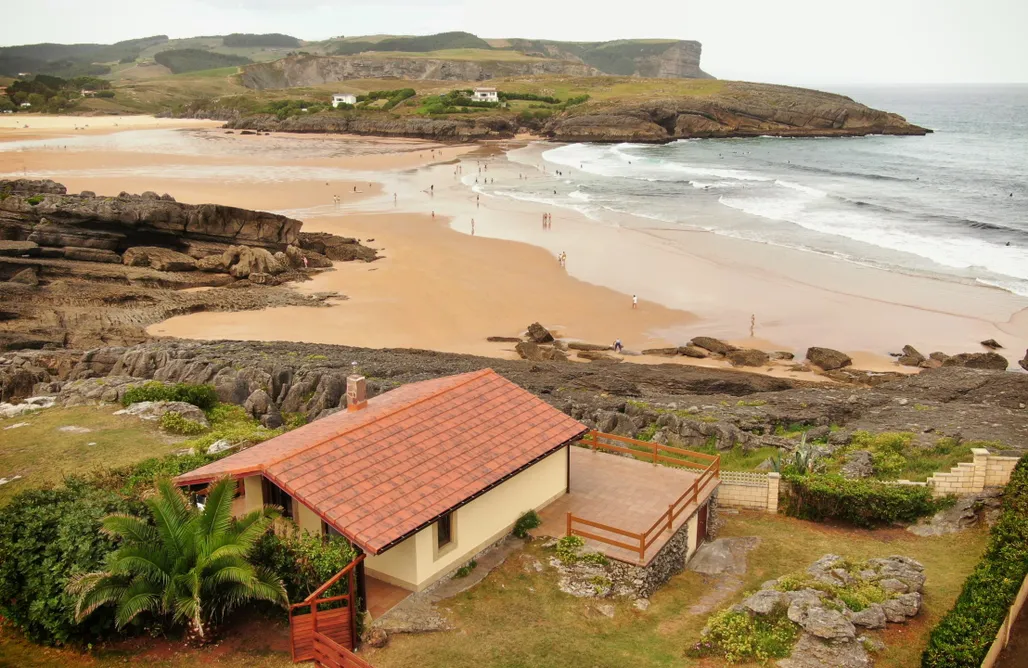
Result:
{"points": [[749, 490], [330, 654], [338, 625], [640, 542]]}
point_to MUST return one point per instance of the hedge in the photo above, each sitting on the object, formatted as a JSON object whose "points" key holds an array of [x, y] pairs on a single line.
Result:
{"points": [[865, 503], [964, 636], [203, 397]]}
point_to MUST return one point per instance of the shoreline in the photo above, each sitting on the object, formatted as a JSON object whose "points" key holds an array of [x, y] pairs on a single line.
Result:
{"points": [[438, 287]]}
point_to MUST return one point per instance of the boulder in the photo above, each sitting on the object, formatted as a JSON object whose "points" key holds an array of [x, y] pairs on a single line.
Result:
{"points": [[257, 404], [859, 464], [828, 359], [1024, 362], [18, 248], [161, 259], [908, 571], [597, 356], [716, 346], [533, 352], [965, 513], [902, 607], [765, 601], [911, 357], [273, 418], [990, 360], [693, 351], [212, 263], [26, 276], [295, 256], [376, 638], [781, 355], [260, 278], [871, 617], [807, 609], [245, 260], [154, 410], [503, 339], [578, 345], [221, 445], [748, 357], [991, 344], [812, 652], [91, 255], [661, 352], [16, 384], [936, 359], [539, 334]]}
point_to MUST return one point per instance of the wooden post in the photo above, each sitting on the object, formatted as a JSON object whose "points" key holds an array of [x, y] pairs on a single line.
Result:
{"points": [[642, 548], [654, 454], [351, 603], [670, 516], [314, 616], [569, 525]]}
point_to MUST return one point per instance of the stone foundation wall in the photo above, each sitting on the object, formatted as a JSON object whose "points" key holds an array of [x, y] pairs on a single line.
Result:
{"points": [[642, 581]]}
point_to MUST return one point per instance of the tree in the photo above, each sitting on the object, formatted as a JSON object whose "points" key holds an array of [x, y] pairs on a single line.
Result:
{"points": [[190, 566], [36, 100], [6, 104]]}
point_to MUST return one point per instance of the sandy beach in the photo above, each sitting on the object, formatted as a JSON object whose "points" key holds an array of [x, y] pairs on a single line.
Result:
{"points": [[440, 287]]}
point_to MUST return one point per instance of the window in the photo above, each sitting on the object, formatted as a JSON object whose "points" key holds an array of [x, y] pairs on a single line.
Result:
{"points": [[329, 531], [444, 530], [273, 495]]}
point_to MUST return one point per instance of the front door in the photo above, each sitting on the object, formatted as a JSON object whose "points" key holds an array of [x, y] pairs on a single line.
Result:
{"points": [[701, 525]]}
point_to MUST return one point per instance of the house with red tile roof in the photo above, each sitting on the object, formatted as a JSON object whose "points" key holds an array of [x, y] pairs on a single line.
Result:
{"points": [[420, 478]]}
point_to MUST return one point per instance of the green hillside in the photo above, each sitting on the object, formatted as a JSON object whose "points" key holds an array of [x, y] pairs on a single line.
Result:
{"points": [[70, 60], [195, 60], [439, 42], [266, 39]]}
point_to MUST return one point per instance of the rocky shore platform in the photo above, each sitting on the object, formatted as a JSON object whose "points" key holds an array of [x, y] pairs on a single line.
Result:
{"points": [[82, 270], [690, 404]]}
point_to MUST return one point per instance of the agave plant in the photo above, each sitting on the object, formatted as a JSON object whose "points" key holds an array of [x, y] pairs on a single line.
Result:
{"points": [[189, 566]]}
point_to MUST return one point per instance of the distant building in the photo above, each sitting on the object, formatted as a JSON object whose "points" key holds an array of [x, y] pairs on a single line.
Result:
{"points": [[88, 93], [486, 95], [26, 105], [24, 74], [343, 98]]}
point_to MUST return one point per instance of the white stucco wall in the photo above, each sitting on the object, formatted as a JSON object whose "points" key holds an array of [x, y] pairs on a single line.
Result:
{"points": [[254, 492], [417, 563]]}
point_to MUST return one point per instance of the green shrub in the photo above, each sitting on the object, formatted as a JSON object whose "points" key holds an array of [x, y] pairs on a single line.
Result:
{"points": [[174, 423], [105, 93], [46, 537], [304, 561], [593, 558], [864, 503], [963, 637], [465, 570], [203, 397], [528, 521], [735, 636], [35, 199], [568, 547]]}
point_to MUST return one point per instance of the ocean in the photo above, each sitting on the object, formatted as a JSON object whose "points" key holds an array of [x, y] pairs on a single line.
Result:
{"points": [[953, 204]]}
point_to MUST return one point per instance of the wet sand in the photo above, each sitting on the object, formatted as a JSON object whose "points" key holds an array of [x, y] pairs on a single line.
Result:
{"points": [[439, 287]]}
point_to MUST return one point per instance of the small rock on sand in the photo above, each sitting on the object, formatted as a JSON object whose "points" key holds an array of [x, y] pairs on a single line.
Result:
{"points": [[73, 429]]}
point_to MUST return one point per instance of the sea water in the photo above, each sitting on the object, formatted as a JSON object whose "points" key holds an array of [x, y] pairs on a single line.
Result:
{"points": [[952, 204]]}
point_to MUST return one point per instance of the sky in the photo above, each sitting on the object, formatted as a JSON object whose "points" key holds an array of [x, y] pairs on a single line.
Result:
{"points": [[798, 42]]}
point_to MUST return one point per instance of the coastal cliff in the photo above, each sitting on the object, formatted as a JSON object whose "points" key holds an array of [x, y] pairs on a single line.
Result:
{"points": [[734, 109], [304, 70], [737, 110]]}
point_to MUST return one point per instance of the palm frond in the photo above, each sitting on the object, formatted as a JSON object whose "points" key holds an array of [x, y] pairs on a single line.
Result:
{"points": [[130, 528], [216, 518]]}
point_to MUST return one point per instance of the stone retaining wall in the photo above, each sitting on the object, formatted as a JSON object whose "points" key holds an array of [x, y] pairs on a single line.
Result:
{"points": [[986, 470], [749, 490]]}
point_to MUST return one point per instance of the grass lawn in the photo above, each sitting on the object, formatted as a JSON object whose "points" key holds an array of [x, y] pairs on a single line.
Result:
{"points": [[41, 453], [514, 619]]}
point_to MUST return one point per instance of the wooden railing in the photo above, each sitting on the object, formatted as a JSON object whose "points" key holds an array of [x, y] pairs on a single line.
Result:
{"points": [[638, 542], [338, 625], [330, 654]]}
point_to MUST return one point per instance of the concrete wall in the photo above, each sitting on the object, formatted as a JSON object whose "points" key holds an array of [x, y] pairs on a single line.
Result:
{"points": [[474, 526], [253, 492], [986, 470], [749, 490]]}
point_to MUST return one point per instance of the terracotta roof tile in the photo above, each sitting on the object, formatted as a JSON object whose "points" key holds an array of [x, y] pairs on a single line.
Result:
{"points": [[412, 454]]}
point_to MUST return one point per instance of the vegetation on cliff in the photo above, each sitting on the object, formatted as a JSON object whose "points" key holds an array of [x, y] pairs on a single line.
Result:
{"points": [[193, 60]]}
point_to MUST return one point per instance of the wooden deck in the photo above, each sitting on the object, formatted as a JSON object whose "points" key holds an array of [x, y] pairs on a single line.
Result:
{"points": [[621, 505], [337, 624]]}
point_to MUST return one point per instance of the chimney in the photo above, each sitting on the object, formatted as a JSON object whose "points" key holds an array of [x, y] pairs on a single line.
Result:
{"points": [[356, 393]]}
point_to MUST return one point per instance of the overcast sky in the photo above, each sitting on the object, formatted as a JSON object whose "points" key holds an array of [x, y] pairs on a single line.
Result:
{"points": [[801, 42]]}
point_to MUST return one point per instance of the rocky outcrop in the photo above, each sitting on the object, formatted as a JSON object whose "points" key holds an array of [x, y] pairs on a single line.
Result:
{"points": [[307, 70], [828, 359], [736, 109], [988, 360], [859, 464], [45, 213], [748, 357], [161, 259], [1024, 362], [539, 334], [713, 345], [911, 357]]}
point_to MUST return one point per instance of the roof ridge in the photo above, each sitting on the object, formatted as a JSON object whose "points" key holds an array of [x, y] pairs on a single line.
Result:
{"points": [[471, 376]]}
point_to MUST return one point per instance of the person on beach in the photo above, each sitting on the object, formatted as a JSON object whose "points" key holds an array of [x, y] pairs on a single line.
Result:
{"points": [[563, 259], [617, 345], [431, 189], [305, 262], [394, 198], [355, 187], [635, 302], [472, 227]]}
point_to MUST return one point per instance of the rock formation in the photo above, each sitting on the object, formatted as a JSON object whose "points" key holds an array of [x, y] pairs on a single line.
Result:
{"points": [[459, 128], [83, 271], [828, 359], [988, 360]]}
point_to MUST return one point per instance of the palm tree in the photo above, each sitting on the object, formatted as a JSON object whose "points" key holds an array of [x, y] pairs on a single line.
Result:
{"points": [[188, 565]]}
